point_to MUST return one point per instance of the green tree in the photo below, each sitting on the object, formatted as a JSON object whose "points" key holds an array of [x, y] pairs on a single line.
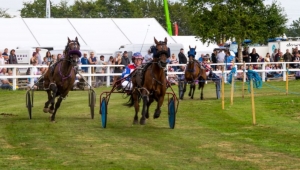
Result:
{"points": [[294, 29], [219, 20], [4, 14]]}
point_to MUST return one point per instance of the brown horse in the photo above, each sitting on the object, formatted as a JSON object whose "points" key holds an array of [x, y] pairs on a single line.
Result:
{"points": [[60, 77], [194, 72], [150, 83]]}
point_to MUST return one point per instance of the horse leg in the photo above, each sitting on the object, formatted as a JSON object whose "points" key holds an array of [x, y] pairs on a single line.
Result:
{"points": [[136, 107], [144, 111], [192, 90], [46, 109], [157, 110], [148, 106], [57, 105], [53, 89], [201, 87]]}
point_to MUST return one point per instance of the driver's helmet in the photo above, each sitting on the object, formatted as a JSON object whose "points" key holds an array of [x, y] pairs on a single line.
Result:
{"points": [[137, 55]]}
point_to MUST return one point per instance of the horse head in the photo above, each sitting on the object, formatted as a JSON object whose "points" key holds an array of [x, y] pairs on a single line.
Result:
{"points": [[192, 54], [161, 52], [72, 52]]}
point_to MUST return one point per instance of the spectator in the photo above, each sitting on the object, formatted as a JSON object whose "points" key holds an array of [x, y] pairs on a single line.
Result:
{"points": [[174, 60], [117, 61], [246, 55], [38, 55], [267, 58], [228, 59], [92, 61], [182, 58], [287, 57], [100, 70], [125, 60], [200, 59], [277, 56], [2, 60], [84, 61], [111, 69], [272, 58], [172, 77], [12, 57], [59, 57], [220, 58], [254, 56], [296, 59], [4, 83], [214, 58], [5, 55], [48, 58], [148, 57]]}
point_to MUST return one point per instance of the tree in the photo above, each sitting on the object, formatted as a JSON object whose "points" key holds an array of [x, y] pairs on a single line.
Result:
{"points": [[4, 14], [294, 29], [218, 20]]}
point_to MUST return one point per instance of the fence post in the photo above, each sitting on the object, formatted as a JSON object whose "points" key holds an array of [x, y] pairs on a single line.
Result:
{"points": [[263, 75], [89, 77], [108, 76], [14, 73], [284, 71]]}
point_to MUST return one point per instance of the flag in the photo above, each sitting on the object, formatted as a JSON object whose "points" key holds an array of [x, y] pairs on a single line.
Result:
{"points": [[48, 12]]}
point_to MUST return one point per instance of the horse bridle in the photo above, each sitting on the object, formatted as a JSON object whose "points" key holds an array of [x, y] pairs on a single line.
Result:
{"points": [[161, 52], [72, 57]]}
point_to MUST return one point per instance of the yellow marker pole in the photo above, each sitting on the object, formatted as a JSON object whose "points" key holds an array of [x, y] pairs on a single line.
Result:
{"points": [[287, 80], [252, 100], [223, 102], [232, 86], [244, 79]]}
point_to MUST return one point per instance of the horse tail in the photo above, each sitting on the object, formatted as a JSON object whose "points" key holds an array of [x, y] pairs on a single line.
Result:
{"points": [[130, 102]]}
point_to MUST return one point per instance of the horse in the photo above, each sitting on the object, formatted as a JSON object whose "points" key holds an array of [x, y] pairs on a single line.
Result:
{"points": [[194, 72], [150, 83], [60, 77]]}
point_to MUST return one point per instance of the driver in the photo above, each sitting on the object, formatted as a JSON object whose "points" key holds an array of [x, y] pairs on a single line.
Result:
{"points": [[137, 59]]}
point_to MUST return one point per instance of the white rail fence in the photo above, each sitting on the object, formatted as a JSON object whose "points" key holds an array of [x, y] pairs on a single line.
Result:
{"points": [[16, 75]]}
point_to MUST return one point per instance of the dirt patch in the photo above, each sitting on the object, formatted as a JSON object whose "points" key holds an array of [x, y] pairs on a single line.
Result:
{"points": [[7, 114], [14, 157], [5, 144]]}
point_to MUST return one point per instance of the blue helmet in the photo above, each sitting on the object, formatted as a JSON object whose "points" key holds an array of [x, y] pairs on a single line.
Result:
{"points": [[137, 55]]}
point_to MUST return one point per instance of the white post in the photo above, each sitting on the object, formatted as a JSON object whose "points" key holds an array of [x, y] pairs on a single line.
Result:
{"points": [[263, 75], [14, 73], [284, 70], [108, 76], [90, 77]]}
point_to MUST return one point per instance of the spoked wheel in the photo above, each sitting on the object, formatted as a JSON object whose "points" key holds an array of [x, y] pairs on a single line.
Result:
{"points": [[103, 112], [29, 102], [92, 101], [172, 113]]}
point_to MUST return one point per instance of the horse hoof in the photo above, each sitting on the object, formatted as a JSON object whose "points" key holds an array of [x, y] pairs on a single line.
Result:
{"points": [[135, 122], [46, 110], [51, 111], [156, 114], [142, 121], [147, 115]]}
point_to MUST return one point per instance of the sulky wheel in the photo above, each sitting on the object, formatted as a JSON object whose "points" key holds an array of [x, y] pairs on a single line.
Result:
{"points": [[29, 103], [92, 101], [172, 113], [103, 112]]}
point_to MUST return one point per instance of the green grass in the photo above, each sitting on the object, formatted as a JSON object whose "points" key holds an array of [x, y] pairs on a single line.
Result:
{"points": [[205, 136]]}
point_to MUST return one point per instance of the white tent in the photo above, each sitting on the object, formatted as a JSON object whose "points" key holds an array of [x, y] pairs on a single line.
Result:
{"points": [[106, 34]]}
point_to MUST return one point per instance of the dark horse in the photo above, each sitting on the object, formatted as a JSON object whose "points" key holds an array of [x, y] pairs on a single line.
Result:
{"points": [[194, 72], [150, 83], [60, 76]]}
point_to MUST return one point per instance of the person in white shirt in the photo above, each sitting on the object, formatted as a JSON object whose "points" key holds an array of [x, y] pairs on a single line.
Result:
{"points": [[148, 57]]}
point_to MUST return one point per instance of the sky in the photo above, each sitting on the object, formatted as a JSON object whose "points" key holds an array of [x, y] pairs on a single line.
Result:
{"points": [[291, 7]]}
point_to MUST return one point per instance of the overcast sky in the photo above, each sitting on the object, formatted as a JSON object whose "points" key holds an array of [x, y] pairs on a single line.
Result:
{"points": [[291, 7]]}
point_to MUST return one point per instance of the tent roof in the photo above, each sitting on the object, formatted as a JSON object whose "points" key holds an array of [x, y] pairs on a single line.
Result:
{"points": [[106, 34]]}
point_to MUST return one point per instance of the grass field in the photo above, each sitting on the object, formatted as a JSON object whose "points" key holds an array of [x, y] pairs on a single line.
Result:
{"points": [[205, 136]]}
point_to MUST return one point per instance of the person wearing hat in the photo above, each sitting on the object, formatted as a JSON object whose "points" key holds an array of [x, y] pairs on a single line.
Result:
{"points": [[137, 59], [182, 57], [5, 55]]}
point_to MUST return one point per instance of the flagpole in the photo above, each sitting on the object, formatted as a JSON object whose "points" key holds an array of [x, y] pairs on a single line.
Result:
{"points": [[48, 9]]}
